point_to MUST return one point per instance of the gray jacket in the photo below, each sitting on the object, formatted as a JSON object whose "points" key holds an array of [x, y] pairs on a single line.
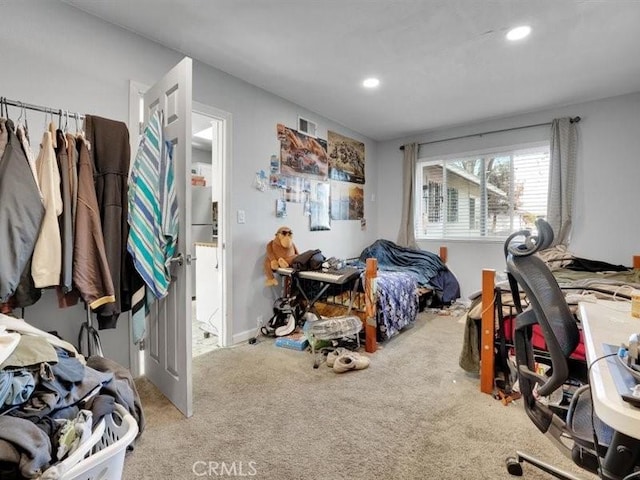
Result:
{"points": [[21, 214]]}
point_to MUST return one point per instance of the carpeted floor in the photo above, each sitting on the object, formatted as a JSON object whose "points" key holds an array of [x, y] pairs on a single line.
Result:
{"points": [[264, 412]]}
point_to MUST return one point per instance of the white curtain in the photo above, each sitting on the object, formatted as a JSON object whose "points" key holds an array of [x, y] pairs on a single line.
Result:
{"points": [[562, 178], [407, 236]]}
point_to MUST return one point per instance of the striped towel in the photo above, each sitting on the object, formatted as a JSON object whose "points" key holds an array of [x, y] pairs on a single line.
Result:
{"points": [[153, 209]]}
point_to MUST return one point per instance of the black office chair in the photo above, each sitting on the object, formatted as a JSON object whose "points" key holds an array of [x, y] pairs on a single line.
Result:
{"points": [[573, 434]]}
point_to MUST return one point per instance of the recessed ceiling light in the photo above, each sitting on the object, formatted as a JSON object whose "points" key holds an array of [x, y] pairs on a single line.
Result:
{"points": [[371, 82], [518, 33]]}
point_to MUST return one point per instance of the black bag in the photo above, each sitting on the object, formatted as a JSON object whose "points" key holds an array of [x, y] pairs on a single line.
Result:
{"points": [[309, 260]]}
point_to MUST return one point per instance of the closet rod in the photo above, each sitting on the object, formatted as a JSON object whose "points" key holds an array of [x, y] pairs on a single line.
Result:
{"points": [[573, 120], [40, 108]]}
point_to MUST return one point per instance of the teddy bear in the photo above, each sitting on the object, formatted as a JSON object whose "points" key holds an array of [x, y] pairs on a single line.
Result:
{"points": [[280, 252]]}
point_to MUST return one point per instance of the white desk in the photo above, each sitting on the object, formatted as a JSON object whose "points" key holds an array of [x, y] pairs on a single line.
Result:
{"points": [[609, 322]]}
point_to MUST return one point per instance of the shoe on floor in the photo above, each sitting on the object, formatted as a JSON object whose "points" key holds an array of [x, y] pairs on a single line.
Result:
{"points": [[334, 354], [350, 361]]}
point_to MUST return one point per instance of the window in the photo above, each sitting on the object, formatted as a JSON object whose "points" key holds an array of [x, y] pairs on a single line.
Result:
{"points": [[452, 205], [433, 201], [473, 216], [489, 195]]}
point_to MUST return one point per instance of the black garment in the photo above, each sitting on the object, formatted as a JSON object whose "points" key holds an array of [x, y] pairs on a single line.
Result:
{"points": [[111, 153], [65, 220], [21, 214], [586, 265]]}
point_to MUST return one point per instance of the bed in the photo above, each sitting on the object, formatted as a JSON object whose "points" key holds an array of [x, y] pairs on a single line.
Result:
{"points": [[488, 329], [404, 276]]}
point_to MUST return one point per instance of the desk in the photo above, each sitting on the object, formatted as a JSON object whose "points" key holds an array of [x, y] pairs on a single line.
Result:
{"points": [[331, 328], [325, 280], [609, 322]]}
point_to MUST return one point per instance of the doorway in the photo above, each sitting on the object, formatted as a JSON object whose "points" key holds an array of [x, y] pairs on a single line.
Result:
{"points": [[207, 166]]}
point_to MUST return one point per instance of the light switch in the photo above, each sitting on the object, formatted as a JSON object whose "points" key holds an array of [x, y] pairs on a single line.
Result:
{"points": [[241, 217]]}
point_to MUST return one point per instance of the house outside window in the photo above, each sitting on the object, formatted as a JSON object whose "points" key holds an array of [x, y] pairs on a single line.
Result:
{"points": [[489, 194], [473, 214], [434, 201], [452, 205]]}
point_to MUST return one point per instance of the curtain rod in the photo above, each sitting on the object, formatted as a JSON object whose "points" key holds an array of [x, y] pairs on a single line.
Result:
{"points": [[572, 120], [39, 108]]}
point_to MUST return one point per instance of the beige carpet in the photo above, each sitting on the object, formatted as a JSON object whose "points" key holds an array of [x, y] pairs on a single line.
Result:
{"points": [[264, 412]]}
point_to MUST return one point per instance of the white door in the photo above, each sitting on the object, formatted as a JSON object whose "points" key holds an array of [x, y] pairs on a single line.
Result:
{"points": [[168, 344]]}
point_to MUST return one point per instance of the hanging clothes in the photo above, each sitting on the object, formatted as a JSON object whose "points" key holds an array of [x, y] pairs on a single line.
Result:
{"points": [[153, 209], [26, 293], [72, 152], [68, 295], [3, 136], [23, 136], [21, 213], [110, 152], [65, 219], [91, 273], [47, 256]]}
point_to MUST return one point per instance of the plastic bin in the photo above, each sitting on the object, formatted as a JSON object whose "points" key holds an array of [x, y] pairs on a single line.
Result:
{"points": [[102, 457]]}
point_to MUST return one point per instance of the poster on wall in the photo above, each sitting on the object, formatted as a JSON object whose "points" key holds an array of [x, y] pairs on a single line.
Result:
{"points": [[347, 201], [346, 158], [295, 189], [319, 206], [302, 155]]}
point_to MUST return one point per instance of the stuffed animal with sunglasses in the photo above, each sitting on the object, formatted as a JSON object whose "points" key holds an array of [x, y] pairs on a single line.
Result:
{"points": [[280, 252]]}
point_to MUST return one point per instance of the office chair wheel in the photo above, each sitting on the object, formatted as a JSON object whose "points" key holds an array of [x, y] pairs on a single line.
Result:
{"points": [[514, 467]]}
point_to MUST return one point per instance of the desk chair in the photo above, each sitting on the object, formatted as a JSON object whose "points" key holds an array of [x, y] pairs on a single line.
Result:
{"points": [[573, 435]]}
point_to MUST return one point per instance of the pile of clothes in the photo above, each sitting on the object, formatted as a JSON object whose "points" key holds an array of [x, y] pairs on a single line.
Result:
{"points": [[51, 398]]}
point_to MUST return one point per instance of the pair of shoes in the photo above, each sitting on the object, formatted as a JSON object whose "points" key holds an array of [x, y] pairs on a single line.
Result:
{"points": [[333, 355], [350, 361]]}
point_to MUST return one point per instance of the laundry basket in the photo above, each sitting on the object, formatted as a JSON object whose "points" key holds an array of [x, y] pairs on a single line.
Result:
{"points": [[105, 459]]}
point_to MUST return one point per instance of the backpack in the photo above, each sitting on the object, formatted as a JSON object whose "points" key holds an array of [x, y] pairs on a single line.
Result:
{"points": [[284, 319], [309, 260]]}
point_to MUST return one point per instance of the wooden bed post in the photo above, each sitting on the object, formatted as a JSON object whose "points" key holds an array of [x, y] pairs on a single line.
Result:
{"points": [[370, 327], [487, 336], [443, 254], [636, 261]]}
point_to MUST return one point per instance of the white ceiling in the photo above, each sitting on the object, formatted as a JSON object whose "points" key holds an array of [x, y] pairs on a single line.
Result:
{"points": [[440, 62]]}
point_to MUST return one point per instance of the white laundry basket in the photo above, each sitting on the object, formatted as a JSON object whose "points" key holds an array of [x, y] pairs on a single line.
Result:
{"points": [[105, 458]]}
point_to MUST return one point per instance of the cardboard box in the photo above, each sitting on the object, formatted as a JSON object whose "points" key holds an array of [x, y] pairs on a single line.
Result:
{"points": [[296, 341]]}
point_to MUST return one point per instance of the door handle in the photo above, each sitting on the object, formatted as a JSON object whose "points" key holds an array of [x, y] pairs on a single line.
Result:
{"points": [[179, 259], [190, 259]]}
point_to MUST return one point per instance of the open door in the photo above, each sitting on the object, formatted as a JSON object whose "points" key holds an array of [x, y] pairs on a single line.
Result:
{"points": [[168, 344]]}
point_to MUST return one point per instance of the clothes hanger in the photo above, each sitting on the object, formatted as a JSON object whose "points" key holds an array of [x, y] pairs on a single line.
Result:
{"points": [[53, 128], [26, 124], [9, 123], [19, 121], [3, 102], [21, 127]]}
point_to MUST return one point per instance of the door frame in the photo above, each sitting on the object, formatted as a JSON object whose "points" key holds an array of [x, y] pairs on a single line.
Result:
{"points": [[223, 128], [224, 122]]}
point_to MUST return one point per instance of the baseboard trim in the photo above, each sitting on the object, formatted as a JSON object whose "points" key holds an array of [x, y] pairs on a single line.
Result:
{"points": [[243, 336]]}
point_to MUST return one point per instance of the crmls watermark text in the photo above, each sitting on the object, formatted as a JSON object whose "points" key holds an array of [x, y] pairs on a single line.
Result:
{"points": [[224, 469]]}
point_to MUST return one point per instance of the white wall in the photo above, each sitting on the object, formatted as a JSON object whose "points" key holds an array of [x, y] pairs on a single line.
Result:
{"points": [[57, 56], [606, 222]]}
